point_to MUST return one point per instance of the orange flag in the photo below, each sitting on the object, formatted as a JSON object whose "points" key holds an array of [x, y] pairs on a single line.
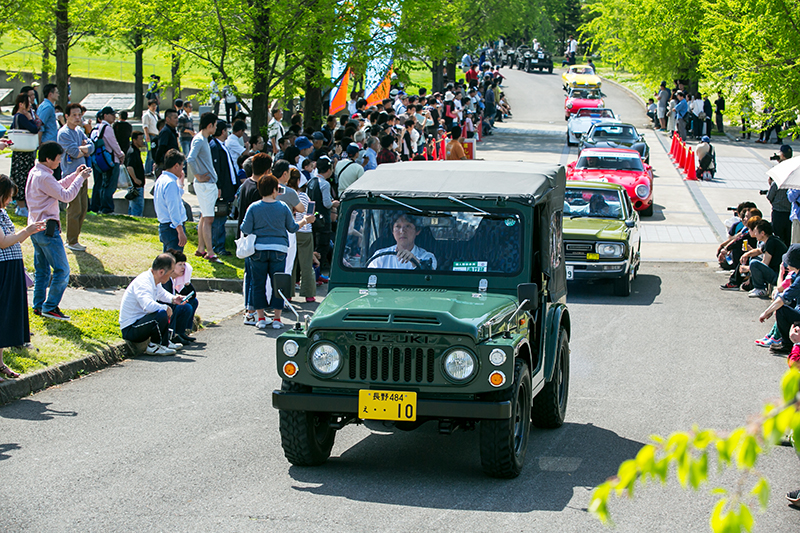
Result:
{"points": [[339, 101]]}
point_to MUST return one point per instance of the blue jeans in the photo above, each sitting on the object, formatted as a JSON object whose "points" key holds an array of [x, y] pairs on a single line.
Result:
{"points": [[48, 253], [136, 206], [186, 145], [263, 264], [248, 280], [761, 274], [105, 183], [168, 236], [218, 234], [183, 316]]}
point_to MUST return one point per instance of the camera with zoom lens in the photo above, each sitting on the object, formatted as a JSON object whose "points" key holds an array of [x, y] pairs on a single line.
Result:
{"points": [[775, 157], [763, 193]]}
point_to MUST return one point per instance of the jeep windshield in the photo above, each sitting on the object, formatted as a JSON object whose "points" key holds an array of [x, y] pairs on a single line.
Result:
{"points": [[595, 203], [442, 240]]}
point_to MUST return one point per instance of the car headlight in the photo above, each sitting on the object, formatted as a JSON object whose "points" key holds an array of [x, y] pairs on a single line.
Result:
{"points": [[325, 358], [569, 105], [610, 249], [642, 190], [290, 348], [497, 357], [459, 364]]}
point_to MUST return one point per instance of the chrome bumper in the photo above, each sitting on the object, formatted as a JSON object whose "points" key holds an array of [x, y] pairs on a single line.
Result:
{"points": [[598, 269]]}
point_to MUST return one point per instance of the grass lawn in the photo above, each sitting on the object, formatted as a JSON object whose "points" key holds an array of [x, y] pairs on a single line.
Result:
{"points": [[124, 245], [53, 342]]}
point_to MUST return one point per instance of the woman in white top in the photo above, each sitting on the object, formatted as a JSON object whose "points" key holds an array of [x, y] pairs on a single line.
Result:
{"points": [[304, 266]]}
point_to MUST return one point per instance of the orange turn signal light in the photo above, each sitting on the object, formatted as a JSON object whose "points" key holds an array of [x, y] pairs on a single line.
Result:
{"points": [[497, 378], [290, 369]]}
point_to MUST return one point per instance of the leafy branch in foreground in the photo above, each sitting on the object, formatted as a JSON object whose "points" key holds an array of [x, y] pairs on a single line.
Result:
{"points": [[689, 453]]}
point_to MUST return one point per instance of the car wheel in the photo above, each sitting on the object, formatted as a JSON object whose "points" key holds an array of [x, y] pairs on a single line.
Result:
{"points": [[549, 407], [306, 438], [550, 70], [504, 442], [622, 286], [570, 143], [648, 211]]}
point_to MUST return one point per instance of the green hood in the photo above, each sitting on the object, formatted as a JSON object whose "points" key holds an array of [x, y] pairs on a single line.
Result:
{"points": [[425, 310], [601, 229]]}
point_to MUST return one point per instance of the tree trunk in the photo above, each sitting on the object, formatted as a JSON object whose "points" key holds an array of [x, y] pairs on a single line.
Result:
{"points": [[62, 50], [312, 112], [437, 76], [259, 114], [176, 76], [138, 76], [45, 64]]}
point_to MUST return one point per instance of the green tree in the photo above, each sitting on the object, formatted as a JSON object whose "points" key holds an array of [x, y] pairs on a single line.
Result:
{"points": [[690, 453]]}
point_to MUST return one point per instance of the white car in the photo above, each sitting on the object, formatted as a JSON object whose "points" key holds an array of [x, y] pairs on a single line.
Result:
{"points": [[579, 123]]}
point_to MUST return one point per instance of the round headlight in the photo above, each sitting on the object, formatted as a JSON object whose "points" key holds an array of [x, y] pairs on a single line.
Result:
{"points": [[326, 358], [497, 357], [290, 348], [608, 249], [569, 105], [642, 190], [459, 364]]}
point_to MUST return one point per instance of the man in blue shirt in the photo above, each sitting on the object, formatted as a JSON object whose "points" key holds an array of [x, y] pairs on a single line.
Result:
{"points": [[168, 204], [681, 109], [47, 114]]}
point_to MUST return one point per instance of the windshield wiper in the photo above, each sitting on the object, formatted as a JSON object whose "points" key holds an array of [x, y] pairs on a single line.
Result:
{"points": [[423, 212], [482, 213]]}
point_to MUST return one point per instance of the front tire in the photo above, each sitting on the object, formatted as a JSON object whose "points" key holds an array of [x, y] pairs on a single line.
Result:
{"points": [[648, 211], [550, 406], [622, 286], [504, 442], [306, 438]]}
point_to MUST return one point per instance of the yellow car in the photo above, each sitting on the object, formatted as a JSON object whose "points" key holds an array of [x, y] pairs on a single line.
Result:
{"points": [[580, 76]]}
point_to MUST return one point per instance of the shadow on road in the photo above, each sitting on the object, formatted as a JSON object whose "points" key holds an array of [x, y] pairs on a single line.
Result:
{"points": [[644, 290], [425, 469], [658, 214], [27, 409], [4, 448]]}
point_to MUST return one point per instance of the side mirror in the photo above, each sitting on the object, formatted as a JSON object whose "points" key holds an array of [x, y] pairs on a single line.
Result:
{"points": [[282, 282], [529, 292], [630, 223]]}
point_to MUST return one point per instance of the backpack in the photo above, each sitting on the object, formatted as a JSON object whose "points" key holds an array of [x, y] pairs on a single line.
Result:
{"points": [[314, 192], [102, 158]]}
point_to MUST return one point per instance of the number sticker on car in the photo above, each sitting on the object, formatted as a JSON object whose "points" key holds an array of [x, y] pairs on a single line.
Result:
{"points": [[570, 272], [387, 405]]}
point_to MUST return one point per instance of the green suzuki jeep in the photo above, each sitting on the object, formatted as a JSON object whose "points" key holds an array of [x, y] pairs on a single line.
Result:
{"points": [[446, 303]]}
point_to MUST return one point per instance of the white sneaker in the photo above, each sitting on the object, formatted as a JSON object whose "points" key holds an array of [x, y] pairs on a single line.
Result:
{"points": [[262, 323], [157, 349], [174, 345], [77, 247], [277, 324], [757, 293], [249, 320]]}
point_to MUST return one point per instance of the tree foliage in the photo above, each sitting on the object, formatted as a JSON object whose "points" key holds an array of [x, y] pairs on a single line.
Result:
{"points": [[689, 453]]}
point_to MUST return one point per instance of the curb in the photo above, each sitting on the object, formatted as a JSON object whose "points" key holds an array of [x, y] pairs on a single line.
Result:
{"points": [[108, 281], [11, 390]]}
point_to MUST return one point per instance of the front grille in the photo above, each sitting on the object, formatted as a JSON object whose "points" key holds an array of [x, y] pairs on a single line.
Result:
{"points": [[578, 250], [391, 365]]}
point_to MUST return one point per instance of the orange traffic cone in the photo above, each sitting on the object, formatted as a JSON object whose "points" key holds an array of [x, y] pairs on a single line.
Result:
{"points": [[684, 157], [672, 147], [691, 173]]}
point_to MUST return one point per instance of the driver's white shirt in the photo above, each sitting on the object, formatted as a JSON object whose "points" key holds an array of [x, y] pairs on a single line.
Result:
{"points": [[392, 262]]}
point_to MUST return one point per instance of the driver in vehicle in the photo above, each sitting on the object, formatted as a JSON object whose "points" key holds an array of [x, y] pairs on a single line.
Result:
{"points": [[403, 254], [599, 207]]}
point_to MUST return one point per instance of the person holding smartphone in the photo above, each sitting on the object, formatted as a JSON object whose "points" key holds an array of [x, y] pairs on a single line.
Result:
{"points": [[305, 242], [179, 283], [50, 259]]}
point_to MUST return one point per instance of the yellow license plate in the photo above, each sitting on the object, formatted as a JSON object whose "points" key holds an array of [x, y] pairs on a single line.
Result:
{"points": [[387, 405], [593, 257]]}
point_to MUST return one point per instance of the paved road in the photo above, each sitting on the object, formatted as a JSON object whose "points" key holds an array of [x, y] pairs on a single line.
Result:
{"points": [[190, 443]]}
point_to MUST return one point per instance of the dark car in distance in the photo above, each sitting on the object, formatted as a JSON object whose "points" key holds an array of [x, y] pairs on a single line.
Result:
{"points": [[616, 135]]}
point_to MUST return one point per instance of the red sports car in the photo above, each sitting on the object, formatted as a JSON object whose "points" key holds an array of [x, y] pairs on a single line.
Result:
{"points": [[620, 166], [578, 99]]}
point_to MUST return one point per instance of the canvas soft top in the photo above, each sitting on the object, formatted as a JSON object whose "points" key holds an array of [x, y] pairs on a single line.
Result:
{"points": [[462, 179]]}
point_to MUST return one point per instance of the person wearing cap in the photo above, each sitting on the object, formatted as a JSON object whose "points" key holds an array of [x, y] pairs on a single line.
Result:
{"points": [[105, 183], [348, 170], [305, 146], [227, 183], [319, 142], [201, 163], [706, 158], [785, 305]]}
